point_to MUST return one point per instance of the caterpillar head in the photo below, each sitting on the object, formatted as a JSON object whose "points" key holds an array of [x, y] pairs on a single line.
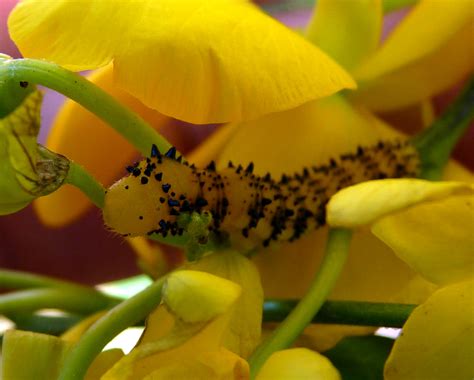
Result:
{"points": [[150, 198]]}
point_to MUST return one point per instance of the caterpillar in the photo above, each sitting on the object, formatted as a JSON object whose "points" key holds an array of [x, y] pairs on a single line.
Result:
{"points": [[251, 210]]}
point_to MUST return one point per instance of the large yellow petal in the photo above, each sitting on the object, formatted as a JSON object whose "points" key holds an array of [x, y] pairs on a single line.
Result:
{"points": [[369, 201], [436, 342], [84, 138], [421, 79], [346, 30], [79, 35], [308, 135], [220, 61], [244, 332], [298, 363], [195, 60], [436, 239], [429, 26]]}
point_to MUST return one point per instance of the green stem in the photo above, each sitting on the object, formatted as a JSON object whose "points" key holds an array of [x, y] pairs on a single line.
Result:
{"points": [[344, 313], [45, 324], [436, 143], [84, 181], [394, 5], [91, 97], [83, 302], [337, 249], [116, 320], [12, 279]]}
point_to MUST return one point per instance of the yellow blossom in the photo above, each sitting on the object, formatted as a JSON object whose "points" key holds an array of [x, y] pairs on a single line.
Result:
{"points": [[429, 226], [310, 132], [436, 342], [202, 74]]}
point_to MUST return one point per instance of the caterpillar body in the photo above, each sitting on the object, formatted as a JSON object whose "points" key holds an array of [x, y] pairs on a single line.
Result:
{"points": [[251, 210]]}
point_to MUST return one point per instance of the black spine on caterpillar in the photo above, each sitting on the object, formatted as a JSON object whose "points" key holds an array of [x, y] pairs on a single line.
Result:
{"points": [[251, 210]]}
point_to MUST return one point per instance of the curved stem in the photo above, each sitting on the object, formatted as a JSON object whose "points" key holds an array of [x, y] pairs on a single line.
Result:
{"points": [[116, 320], [91, 97], [83, 302], [84, 181], [436, 143], [51, 325], [13, 279], [337, 249], [345, 312]]}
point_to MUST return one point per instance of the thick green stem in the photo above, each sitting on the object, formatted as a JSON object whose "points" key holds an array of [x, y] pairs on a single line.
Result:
{"points": [[83, 302], [84, 181], [394, 5], [344, 313], [12, 279], [45, 324], [436, 143], [105, 329], [84, 92], [337, 249]]}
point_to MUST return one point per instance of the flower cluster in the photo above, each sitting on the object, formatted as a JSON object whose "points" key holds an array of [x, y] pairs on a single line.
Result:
{"points": [[285, 101]]}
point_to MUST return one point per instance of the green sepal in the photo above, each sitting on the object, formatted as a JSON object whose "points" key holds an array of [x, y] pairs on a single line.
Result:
{"points": [[27, 170]]}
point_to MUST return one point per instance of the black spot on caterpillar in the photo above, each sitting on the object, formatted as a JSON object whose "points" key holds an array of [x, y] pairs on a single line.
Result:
{"points": [[251, 210]]}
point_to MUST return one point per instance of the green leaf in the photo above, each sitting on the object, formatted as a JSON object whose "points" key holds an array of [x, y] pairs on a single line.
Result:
{"points": [[361, 358]]}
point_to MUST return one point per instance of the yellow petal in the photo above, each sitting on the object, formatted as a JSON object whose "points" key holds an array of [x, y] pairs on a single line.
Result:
{"points": [[243, 334], [348, 31], [195, 60], [197, 296], [369, 201], [436, 342], [28, 355], [181, 343], [436, 239], [102, 363], [82, 137], [215, 365], [66, 32], [211, 68], [424, 78], [298, 363], [319, 130], [415, 37]]}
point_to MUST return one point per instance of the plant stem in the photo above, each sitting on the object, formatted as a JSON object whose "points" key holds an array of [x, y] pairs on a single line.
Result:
{"points": [[394, 5], [52, 325], [344, 312], [116, 320], [84, 181], [12, 279], [436, 143], [337, 249], [91, 97], [83, 302]]}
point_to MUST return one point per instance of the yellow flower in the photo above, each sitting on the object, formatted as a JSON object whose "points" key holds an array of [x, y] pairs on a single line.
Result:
{"points": [[429, 226], [322, 128], [198, 61], [331, 126], [186, 338]]}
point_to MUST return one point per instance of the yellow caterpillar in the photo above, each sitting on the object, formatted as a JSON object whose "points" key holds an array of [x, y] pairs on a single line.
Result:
{"points": [[250, 210]]}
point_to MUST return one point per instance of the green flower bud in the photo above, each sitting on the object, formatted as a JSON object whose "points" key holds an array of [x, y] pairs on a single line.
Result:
{"points": [[27, 170]]}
